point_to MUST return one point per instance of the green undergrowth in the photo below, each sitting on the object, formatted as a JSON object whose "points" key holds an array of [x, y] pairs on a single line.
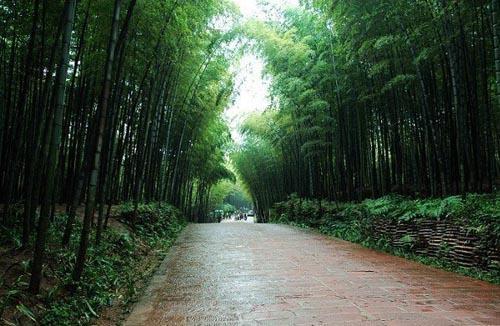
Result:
{"points": [[113, 272], [155, 224], [478, 214]]}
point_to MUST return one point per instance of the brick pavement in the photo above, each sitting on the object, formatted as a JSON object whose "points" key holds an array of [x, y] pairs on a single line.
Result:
{"points": [[255, 274]]}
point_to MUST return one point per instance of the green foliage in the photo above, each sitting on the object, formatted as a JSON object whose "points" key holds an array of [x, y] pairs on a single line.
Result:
{"points": [[111, 269], [26, 312], [228, 196], [478, 213], [407, 242], [367, 101], [156, 222]]}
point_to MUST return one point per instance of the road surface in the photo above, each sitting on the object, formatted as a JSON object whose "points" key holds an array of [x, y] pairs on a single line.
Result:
{"points": [[255, 274]]}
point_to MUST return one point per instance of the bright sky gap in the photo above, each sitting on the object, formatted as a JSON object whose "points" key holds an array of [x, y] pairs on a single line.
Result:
{"points": [[251, 85]]}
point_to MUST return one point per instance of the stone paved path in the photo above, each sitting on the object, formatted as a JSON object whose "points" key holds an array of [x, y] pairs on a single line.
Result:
{"points": [[253, 274]]}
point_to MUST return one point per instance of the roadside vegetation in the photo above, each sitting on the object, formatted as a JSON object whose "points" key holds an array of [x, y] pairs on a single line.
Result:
{"points": [[115, 274], [106, 102]]}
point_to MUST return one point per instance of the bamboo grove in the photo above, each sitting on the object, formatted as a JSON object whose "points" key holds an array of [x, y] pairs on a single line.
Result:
{"points": [[111, 101], [106, 101], [372, 97]]}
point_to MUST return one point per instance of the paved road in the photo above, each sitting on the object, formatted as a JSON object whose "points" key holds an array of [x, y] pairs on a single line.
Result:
{"points": [[252, 274]]}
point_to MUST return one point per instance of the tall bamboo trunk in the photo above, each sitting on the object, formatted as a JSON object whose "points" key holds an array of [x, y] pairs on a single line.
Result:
{"points": [[495, 8], [28, 168], [103, 107], [59, 89]]}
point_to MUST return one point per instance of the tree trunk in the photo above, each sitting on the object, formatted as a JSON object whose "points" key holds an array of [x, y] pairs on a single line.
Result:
{"points": [[103, 107], [495, 8], [59, 89]]}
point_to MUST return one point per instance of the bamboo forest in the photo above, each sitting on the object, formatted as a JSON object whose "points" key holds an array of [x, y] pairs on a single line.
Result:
{"points": [[182, 162]]}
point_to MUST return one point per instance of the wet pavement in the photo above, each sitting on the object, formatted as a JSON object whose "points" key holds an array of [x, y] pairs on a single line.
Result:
{"points": [[255, 274]]}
